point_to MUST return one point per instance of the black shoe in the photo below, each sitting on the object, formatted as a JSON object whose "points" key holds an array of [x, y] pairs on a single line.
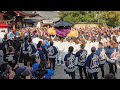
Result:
{"points": [[61, 62], [57, 61], [86, 77]]}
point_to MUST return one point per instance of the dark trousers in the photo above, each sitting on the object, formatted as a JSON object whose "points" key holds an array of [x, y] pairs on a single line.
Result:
{"points": [[81, 69], [71, 74], [93, 75], [21, 57], [112, 68], [52, 63], [12, 64], [115, 67], [102, 69], [26, 59]]}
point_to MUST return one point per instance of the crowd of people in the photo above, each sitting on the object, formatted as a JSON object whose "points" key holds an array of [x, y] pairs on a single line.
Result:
{"points": [[40, 52]]}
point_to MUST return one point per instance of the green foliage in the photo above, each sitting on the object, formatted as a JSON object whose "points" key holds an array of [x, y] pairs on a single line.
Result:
{"points": [[110, 18]]}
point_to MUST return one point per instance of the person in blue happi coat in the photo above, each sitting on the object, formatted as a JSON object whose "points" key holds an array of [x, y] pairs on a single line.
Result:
{"points": [[110, 52], [81, 57], [25, 51], [51, 54], [70, 63], [92, 64], [102, 57]]}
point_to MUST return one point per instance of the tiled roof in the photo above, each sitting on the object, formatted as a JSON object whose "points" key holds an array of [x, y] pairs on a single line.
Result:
{"points": [[26, 13], [48, 14]]}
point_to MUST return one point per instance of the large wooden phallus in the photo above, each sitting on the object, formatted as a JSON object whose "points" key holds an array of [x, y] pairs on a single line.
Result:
{"points": [[51, 31], [73, 34]]}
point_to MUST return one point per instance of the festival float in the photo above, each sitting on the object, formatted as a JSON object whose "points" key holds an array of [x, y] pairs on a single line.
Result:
{"points": [[63, 29]]}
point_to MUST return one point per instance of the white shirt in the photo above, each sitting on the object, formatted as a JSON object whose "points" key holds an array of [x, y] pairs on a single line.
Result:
{"points": [[66, 46], [94, 44], [76, 47], [36, 40], [88, 47], [56, 44], [118, 39], [61, 46], [104, 41]]}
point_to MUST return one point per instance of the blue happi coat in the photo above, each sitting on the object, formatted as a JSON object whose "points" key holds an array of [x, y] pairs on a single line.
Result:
{"points": [[25, 47], [82, 57], [69, 62], [40, 54], [92, 63], [102, 56], [109, 53], [52, 52], [32, 49]]}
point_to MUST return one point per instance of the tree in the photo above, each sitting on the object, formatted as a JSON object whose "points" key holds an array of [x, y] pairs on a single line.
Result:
{"points": [[110, 18]]}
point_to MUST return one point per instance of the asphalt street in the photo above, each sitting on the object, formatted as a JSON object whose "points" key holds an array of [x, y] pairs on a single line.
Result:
{"points": [[60, 74]]}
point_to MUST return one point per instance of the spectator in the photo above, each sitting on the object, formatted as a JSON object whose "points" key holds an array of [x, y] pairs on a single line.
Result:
{"points": [[52, 53], [70, 63]]}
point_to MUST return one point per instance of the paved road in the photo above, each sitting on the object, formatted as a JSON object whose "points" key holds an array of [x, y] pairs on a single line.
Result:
{"points": [[60, 74]]}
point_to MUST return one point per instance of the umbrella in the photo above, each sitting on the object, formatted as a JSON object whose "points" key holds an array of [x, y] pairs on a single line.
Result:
{"points": [[62, 23]]}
